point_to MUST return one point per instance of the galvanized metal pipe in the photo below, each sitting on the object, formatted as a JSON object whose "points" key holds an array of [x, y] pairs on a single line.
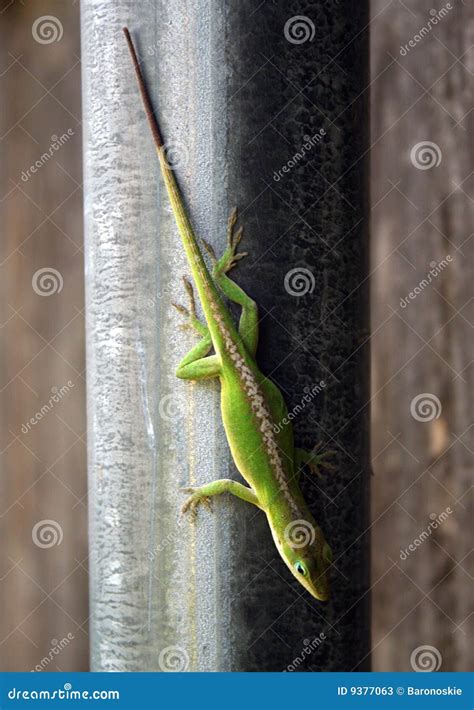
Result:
{"points": [[240, 88]]}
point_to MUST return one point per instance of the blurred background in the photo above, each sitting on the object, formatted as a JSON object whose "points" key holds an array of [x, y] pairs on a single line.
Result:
{"points": [[422, 307]]}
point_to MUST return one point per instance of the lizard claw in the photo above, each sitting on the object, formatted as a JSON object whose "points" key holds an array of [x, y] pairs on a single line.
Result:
{"points": [[210, 250], [190, 313], [190, 291], [181, 309], [236, 238], [192, 503], [193, 322], [233, 261], [230, 257], [231, 224], [319, 461]]}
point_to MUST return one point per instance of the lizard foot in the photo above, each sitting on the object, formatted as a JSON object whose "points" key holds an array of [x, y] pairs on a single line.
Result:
{"points": [[190, 313], [192, 503], [319, 460], [231, 256]]}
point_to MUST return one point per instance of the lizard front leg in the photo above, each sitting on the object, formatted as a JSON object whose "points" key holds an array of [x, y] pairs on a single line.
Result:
{"points": [[204, 493], [248, 324]]}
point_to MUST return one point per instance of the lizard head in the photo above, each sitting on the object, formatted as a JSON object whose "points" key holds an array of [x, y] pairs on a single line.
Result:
{"points": [[308, 556]]}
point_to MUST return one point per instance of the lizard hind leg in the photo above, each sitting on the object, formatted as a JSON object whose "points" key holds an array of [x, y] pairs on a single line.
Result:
{"points": [[197, 364], [231, 256], [190, 313], [248, 325]]}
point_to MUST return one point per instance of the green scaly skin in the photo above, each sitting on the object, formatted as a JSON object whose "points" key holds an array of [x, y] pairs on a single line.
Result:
{"points": [[251, 404]]}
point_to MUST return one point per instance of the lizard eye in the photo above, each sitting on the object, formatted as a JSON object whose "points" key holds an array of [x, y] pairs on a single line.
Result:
{"points": [[300, 568]]}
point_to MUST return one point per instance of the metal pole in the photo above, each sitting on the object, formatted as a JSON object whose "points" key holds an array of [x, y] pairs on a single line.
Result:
{"points": [[243, 90]]}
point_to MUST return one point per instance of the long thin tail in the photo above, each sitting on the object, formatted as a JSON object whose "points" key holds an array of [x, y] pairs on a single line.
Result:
{"points": [[201, 275], [150, 114]]}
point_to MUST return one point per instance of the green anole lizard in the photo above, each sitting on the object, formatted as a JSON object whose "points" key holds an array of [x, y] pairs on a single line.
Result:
{"points": [[251, 404]]}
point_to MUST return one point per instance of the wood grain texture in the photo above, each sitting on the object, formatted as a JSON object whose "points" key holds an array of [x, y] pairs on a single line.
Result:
{"points": [[43, 589], [422, 345], [421, 468]]}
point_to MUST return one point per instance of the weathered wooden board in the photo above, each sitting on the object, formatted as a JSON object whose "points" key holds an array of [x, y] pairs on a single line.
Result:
{"points": [[43, 565], [422, 221], [420, 93]]}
